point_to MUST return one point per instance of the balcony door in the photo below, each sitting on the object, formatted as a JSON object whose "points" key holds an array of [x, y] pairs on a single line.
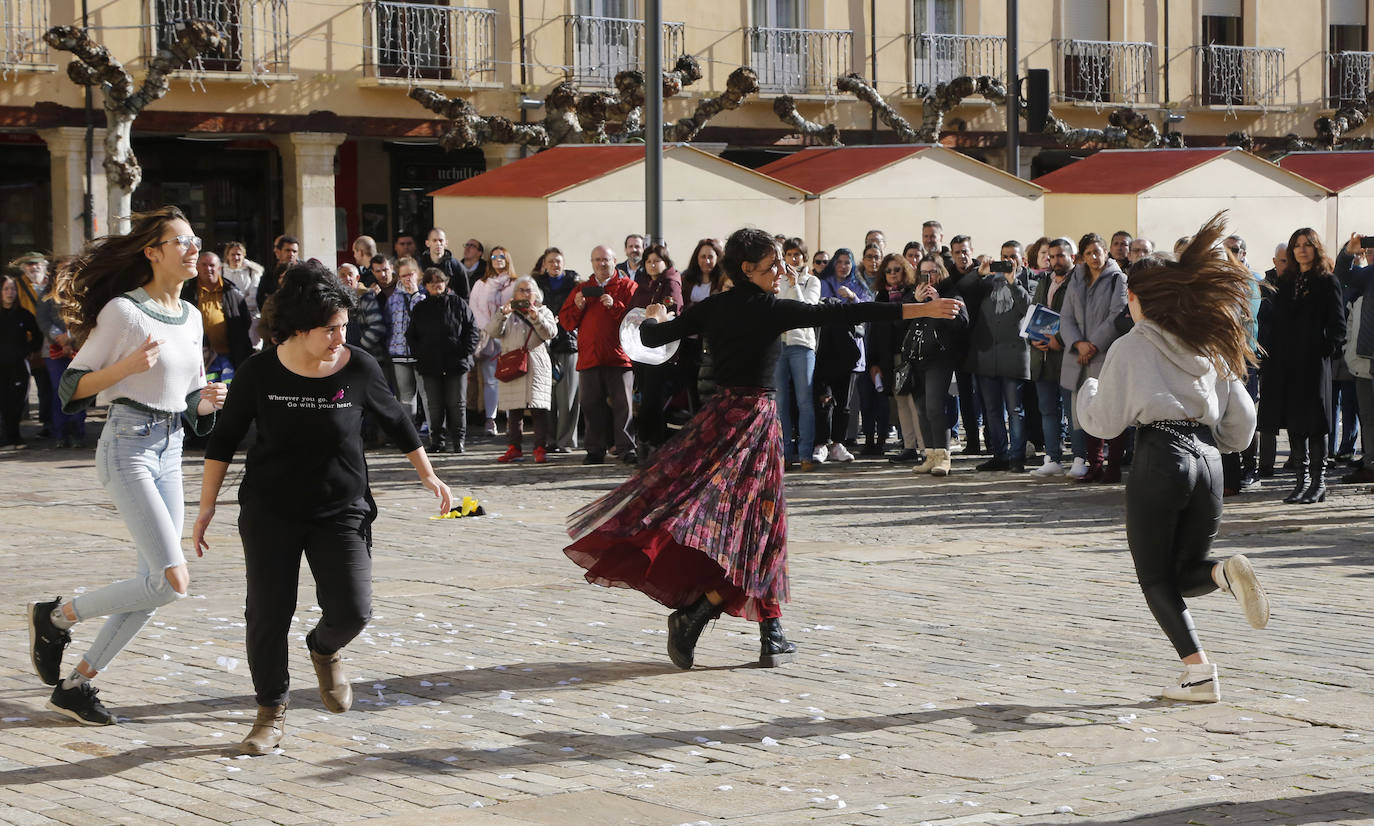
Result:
{"points": [[779, 45], [171, 14], [1223, 70], [1348, 61], [606, 37], [1087, 68], [938, 59], [413, 39]]}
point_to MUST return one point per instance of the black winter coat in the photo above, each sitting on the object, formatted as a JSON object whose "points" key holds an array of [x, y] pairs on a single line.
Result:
{"points": [[1303, 326], [236, 317], [951, 332], [19, 335], [442, 335]]}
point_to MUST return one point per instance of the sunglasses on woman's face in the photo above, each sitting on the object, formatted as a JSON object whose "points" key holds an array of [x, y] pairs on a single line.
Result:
{"points": [[930, 273], [893, 270]]}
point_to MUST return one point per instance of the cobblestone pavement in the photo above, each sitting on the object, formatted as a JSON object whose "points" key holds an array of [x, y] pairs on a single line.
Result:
{"points": [[974, 651]]}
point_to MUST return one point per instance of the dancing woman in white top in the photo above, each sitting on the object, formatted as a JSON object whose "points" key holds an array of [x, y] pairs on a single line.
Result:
{"points": [[141, 355], [1179, 376]]}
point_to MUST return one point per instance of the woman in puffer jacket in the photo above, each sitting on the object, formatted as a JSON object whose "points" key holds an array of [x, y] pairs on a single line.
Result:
{"points": [[524, 322]]}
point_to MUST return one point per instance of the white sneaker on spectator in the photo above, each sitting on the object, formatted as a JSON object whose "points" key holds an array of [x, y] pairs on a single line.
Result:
{"points": [[1030, 450], [838, 453], [955, 446], [489, 427], [821, 454], [1050, 468], [1079, 469]]}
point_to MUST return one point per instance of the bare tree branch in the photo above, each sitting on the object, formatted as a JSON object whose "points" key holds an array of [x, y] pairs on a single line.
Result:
{"points": [[786, 110], [857, 86], [95, 66], [742, 83]]}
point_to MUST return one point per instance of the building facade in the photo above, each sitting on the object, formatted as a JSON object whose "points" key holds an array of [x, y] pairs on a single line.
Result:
{"points": [[303, 125]]}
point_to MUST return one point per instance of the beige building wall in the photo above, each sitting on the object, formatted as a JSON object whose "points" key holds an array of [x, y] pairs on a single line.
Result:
{"points": [[521, 225], [327, 64], [1073, 216]]}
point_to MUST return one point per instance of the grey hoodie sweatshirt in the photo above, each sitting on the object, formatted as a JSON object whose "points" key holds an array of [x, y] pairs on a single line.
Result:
{"points": [[1150, 376]]}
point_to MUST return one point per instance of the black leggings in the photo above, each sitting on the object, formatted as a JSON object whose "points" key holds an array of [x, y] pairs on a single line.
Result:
{"points": [[832, 425], [339, 550], [1173, 510], [933, 392]]}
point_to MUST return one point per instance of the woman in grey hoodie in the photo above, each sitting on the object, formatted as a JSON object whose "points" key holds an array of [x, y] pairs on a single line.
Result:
{"points": [[1179, 377]]}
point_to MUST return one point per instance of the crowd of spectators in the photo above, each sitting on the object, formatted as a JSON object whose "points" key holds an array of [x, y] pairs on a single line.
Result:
{"points": [[473, 335]]}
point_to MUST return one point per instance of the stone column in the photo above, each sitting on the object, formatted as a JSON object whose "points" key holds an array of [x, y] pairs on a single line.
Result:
{"points": [[308, 182], [67, 154]]}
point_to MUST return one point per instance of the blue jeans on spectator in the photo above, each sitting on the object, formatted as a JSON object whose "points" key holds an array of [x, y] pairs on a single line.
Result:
{"points": [[1003, 417], [792, 377], [138, 462], [1053, 401], [1345, 406], [68, 425]]}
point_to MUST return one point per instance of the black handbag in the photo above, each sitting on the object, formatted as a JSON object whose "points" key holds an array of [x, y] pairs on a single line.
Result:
{"points": [[904, 379], [922, 343]]}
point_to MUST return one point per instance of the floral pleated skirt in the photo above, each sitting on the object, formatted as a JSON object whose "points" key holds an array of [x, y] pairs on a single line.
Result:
{"points": [[708, 514]]}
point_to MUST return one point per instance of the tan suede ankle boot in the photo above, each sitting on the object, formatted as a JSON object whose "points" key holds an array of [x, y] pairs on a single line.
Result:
{"points": [[267, 731], [335, 690]]}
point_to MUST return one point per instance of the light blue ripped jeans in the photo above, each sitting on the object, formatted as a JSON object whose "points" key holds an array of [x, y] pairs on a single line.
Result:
{"points": [[138, 462]]}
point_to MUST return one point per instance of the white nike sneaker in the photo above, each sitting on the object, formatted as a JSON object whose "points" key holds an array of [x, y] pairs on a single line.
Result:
{"points": [[1242, 584], [1050, 468], [822, 452], [1198, 684], [838, 453], [1079, 469]]}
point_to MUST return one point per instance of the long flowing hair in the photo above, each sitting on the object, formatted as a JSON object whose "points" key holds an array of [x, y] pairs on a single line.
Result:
{"points": [[1203, 298], [108, 267]]}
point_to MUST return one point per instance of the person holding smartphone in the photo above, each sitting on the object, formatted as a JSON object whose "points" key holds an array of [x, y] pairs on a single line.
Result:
{"points": [[525, 323]]}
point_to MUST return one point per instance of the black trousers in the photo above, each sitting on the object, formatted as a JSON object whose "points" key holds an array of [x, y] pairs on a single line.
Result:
{"points": [[657, 383], [832, 422], [339, 550], [14, 393], [1173, 510]]}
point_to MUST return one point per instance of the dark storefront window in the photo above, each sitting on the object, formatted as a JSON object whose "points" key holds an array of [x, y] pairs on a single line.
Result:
{"points": [[25, 201], [417, 171], [229, 190]]}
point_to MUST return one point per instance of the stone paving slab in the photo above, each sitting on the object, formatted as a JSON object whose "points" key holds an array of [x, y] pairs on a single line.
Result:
{"points": [[973, 651]]}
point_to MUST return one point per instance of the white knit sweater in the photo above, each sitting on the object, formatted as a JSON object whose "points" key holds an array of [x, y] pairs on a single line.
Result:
{"points": [[1150, 376], [122, 327]]}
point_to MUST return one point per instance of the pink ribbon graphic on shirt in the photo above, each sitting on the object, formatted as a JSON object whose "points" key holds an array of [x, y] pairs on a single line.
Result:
{"points": [[338, 396]]}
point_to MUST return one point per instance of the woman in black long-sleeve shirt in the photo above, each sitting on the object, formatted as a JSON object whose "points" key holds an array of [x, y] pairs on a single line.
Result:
{"points": [[305, 487], [704, 528]]}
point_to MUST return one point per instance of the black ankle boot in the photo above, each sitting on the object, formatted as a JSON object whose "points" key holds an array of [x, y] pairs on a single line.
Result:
{"points": [[1298, 456], [685, 626], [774, 649], [1316, 490], [1300, 486]]}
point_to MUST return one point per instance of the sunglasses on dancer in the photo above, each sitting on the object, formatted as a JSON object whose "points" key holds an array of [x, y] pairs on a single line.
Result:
{"points": [[186, 242]]}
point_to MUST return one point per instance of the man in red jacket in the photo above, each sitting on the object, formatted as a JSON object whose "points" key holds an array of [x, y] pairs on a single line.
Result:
{"points": [[594, 310]]}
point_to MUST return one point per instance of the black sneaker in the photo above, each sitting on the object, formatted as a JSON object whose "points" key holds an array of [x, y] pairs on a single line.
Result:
{"points": [[80, 703], [46, 642], [594, 459], [994, 464]]}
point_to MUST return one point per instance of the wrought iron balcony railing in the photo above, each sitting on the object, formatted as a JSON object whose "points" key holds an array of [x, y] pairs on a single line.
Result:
{"points": [[416, 41], [602, 47], [1105, 72], [939, 58], [1240, 76], [257, 34], [1348, 77], [799, 61], [22, 23]]}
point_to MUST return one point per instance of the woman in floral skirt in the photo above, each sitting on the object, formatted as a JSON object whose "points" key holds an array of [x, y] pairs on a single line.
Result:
{"points": [[703, 530]]}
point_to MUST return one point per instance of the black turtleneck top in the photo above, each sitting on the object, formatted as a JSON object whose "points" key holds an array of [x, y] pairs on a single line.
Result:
{"points": [[742, 328]]}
